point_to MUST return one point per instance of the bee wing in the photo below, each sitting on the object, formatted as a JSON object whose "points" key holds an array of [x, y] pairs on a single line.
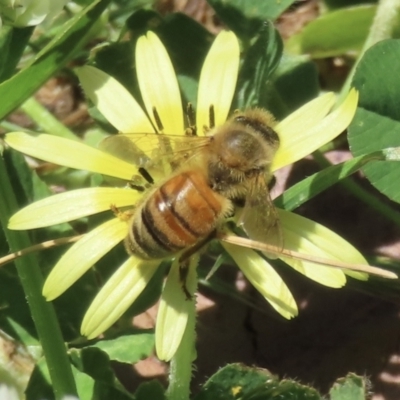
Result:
{"points": [[150, 150], [123, 147], [259, 218]]}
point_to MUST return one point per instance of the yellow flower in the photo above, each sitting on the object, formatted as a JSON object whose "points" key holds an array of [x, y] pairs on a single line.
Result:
{"points": [[300, 133]]}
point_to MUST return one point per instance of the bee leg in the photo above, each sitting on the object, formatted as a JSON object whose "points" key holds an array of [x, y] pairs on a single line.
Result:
{"points": [[139, 188], [185, 259], [122, 215], [136, 181]]}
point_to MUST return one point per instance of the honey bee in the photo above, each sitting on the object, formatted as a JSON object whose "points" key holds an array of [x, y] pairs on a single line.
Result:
{"points": [[210, 177]]}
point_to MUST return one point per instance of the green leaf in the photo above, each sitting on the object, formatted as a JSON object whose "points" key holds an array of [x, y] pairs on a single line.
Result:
{"points": [[141, 21], [14, 303], [245, 17], [95, 363], [260, 61], [84, 384], [376, 124], [293, 72], [187, 51], [189, 87], [237, 381], [20, 176], [352, 387], [71, 306], [320, 181], [129, 348], [117, 60], [39, 386], [150, 390], [12, 44], [232, 380], [26, 338], [334, 33], [54, 56]]}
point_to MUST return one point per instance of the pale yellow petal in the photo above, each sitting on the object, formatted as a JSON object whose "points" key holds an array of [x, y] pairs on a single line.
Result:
{"points": [[71, 205], [327, 276], [82, 255], [174, 310], [158, 83], [301, 135], [113, 101], [264, 278], [117, 295], [70, 153], [218, 80], [305, 117], [310, 238]]}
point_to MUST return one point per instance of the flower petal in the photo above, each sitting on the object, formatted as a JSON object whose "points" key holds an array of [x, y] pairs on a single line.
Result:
{"points": [[158, 83], [218, 80], [117, 295], [174, 310], [113, 101], [264, 278], [71, 205], [306, 116], [308, 237], [303, 132], [70, 153], [82, 255]]}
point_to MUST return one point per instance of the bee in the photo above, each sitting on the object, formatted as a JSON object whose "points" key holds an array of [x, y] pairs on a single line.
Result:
{"points": [[177, 215], [210, 177]]}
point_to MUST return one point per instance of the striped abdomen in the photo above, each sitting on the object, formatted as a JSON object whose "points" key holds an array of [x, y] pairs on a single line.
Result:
{"points": [[177, 215]]}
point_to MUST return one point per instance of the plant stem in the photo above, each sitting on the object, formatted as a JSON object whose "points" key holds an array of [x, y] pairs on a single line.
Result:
{"points": [[46, 120], [385, 20], [180, 373], [43, 313], [10, 127]]}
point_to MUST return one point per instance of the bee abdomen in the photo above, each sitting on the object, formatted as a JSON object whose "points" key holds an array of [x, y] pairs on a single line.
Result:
{"points": [[177, 215]]}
